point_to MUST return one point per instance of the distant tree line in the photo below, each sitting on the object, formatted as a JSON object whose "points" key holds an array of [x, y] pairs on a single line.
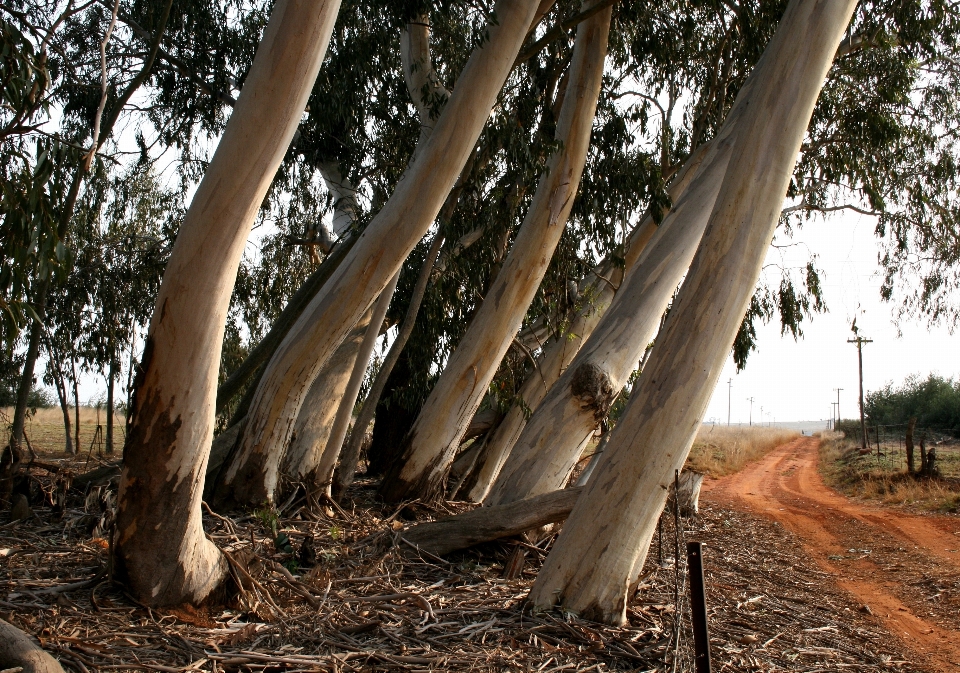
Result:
{"points": [[933, 401]]}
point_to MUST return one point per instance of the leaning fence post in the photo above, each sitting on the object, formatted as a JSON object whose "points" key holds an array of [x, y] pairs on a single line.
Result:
{"points": [[698, 608]]}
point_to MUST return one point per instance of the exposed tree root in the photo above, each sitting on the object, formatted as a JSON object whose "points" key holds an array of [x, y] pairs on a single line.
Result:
{"points": [[18, 650]]}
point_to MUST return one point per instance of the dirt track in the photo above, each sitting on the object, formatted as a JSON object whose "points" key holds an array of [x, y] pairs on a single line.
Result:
{"points": [[888, 560]]}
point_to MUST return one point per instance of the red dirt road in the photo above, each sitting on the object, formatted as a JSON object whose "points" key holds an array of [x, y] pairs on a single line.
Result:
{"points": [[786, 486]]}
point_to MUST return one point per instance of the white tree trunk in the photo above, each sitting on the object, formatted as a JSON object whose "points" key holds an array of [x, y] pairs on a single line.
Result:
{"points": [[338, 432], [548, 447], [610, 528], [162, 552], [376, 256], [311, 434], [597, 291], [432, 442]]}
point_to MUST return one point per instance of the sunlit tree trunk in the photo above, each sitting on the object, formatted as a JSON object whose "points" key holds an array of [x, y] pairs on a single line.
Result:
{"points": [[161, 550], [610, 528], [376, 256], [352, 453], [315, 421], [311, 433], [432, 442], [332, 451], [596, 294], [549, 446]]}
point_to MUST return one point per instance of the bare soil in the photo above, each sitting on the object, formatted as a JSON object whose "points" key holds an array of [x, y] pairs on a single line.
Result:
{"points": [[903, 569]]}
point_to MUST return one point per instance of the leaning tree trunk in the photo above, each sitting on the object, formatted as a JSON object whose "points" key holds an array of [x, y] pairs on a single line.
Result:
{"points": [[609, 530], [351, 455], [597, 290], [549, 445], [315, 421], [377, 255], [348, 402], [432, 442], [161, 549], [311, 434]]}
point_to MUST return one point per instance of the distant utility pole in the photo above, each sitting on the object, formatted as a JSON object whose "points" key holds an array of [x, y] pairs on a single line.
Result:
{"points": [[833, 415], [729, 398], [837, 423], [750, 399], [863, 425]]}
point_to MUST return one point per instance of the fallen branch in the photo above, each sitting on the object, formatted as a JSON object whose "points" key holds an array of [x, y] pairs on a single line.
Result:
{"points": [[18, 650], [491, 523]]}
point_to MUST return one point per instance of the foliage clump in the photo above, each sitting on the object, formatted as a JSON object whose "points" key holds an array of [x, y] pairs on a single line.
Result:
{"points": [[933, 401]]}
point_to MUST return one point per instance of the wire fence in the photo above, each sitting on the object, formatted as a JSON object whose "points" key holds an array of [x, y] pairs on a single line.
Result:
{"points": [[888, 441]]}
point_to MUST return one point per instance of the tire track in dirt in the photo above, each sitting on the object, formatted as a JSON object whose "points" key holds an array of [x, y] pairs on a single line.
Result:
{"points": [[786, 486]]}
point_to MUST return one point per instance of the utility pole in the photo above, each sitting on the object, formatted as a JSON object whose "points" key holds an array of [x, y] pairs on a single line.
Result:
{"points": [[729, 398], [863, 425], [750, 399], [837, 423], [833, 415]]}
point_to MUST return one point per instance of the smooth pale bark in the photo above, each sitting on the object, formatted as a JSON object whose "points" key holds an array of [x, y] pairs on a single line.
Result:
{"points": [[18, 650], [352, 454], [610, 528], [378, 253], [311, 434], [550, 444], [319, 413], [341, 423], [278, 331], [162, 552], [432, 442], [598, 290], [492, 523], [422, 80]]}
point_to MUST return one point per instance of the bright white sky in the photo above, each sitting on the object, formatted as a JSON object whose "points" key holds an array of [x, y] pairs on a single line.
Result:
{"points": [[795, 381]]}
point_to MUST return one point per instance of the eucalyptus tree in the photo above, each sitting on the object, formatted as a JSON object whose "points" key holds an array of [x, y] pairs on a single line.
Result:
{"points": [[434, 438], [591, 568], [371, 263], [161, 549]]}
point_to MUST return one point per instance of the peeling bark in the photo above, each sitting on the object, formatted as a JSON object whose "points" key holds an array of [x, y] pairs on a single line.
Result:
{"points": [[591, 566], [162, 553]]}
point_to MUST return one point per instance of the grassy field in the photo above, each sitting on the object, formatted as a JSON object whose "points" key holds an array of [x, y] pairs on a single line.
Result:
{"points": [[720, 450], [884, 478], [45, 429]]}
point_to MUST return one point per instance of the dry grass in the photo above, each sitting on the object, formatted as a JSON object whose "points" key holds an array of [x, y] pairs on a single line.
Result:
{"points": [[720, 450], [884, 478], [45, 428]]}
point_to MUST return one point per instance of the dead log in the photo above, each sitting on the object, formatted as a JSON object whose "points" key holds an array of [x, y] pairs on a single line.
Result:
{"points": [[18, 650], [491, 523]]}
